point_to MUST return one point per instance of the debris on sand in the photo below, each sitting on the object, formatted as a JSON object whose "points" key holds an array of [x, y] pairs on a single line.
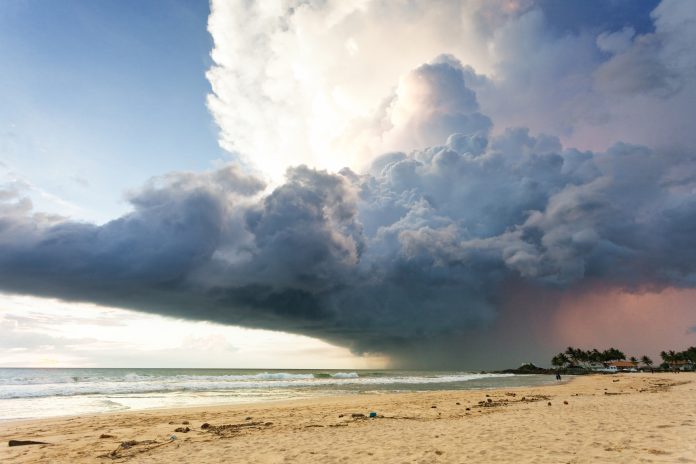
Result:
{"points": [[489, 403], [132, 443], [132, 447], [233, 429], [182, 429], [26, 442], [534, 398]]}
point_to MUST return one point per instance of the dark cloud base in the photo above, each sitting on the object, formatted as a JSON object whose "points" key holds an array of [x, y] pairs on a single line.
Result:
{"points": [[414, 258]]}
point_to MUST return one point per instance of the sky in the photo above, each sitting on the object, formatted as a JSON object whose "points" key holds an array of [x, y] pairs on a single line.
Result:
{"points": [[98, 97], [348, 184]]}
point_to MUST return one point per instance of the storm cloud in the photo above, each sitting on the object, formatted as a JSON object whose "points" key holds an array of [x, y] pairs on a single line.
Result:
{"points": [[464, 216], [419, 249]]}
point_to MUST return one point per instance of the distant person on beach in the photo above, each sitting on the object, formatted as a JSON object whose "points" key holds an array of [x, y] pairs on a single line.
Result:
{"points": [[558, 376]]}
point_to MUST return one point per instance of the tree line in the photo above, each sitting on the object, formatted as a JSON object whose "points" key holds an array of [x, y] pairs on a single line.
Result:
{"points": [[671, 356], [576, 357]]}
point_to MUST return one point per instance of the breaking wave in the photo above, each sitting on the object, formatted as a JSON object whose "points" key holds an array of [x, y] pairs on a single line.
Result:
{"points": [[132, 382]]}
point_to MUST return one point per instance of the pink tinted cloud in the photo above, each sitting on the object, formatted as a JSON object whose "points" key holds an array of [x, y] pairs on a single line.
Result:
{"points": [[637, 323]]}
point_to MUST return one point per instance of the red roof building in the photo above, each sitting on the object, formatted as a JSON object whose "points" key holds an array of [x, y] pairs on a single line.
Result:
{"points": [[622, 365]]}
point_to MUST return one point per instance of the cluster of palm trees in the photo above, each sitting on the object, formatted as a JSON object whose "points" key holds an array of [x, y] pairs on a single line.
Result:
{"points": [[674, 357], [576, 357]]}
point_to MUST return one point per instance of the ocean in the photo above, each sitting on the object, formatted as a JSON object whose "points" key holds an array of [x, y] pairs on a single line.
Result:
{"points": [[27, 393]]}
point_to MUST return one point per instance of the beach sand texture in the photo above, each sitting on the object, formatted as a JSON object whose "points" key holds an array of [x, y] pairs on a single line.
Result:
{"points": [[624, 418]]}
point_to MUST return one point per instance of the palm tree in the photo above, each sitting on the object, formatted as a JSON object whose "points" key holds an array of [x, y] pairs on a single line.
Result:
{"points": [[564, 359], [595, 356], [571, 353], [555, 362], [560, 360], [690, 353], [670, 357], [666, 359], [616, 354], [646, 360], [633, 360], [583, 357]]}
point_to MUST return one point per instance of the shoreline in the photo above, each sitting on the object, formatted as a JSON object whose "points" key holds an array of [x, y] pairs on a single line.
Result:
{"points": [[513, 424], [97, 394], [269, 402]]}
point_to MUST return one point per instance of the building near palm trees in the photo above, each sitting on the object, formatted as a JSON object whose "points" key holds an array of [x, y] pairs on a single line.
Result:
{"points": [[622, 365], [681, 365]]}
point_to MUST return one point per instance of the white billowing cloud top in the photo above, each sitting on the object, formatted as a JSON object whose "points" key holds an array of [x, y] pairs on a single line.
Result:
{"points": [[329, 84], [324, 85]]}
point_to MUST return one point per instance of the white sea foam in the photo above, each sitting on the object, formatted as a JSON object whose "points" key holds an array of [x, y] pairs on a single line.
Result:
{"points": [[20, 380], [33, 393], [135, 383], [345, 375]]}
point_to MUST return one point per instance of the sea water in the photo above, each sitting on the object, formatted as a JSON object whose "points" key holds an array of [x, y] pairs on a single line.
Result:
{"points": [[27, 393]]}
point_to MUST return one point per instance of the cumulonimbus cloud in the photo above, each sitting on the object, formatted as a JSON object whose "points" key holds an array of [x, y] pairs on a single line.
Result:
{"points": [[450, 210], [418, 248], [328, 83]]}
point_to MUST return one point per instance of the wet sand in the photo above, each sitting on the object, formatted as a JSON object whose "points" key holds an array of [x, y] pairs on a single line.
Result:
{"points": [[624, 418]]}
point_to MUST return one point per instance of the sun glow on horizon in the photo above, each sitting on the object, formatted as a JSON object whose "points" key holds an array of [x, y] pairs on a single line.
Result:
{"points": [[45, 332]]}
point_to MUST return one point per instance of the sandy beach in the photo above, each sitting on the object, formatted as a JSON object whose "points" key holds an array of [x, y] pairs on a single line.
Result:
{"points": [[626, 418]]}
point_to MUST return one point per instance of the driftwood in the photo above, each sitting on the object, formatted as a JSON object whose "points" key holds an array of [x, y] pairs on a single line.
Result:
{"points": [[230, 429], [130, 448], [26, 442]]}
